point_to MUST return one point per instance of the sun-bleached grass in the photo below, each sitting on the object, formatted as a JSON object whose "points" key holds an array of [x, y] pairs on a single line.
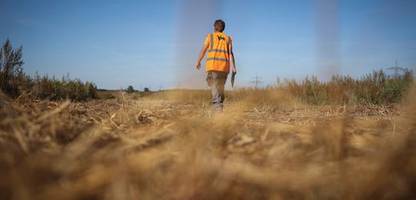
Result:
{"points": [[159, 148]]}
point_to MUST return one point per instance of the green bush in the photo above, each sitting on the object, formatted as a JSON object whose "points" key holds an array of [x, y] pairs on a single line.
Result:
{"points": [[14, 81], [374, 88], [11, 73], [54, 89], [130, 89]]}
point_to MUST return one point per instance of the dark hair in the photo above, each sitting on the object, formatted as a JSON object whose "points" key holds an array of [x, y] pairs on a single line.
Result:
{"points": [[221, 23]]}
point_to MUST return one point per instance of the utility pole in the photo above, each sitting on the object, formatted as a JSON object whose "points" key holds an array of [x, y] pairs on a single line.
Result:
{"points": [[277, 81], [396, 69], [257, 81]]}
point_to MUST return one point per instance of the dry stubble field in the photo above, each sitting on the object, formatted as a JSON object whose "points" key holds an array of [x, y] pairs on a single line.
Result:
{"points": [[170, 146]]}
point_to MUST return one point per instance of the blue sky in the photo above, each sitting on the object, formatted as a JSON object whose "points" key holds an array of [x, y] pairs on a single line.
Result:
{"points": [[155, 43]]}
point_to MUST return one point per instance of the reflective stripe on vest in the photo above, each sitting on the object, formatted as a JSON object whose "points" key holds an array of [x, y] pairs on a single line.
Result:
{"points": [[219, 59], [218, 50], [212, 40]]}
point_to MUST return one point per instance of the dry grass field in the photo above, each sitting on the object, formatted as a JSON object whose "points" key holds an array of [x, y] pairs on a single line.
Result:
{"points": [[170, 145]]}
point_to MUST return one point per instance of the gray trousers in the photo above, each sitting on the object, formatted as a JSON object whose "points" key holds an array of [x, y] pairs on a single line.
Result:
{"points": [[216, 81]]}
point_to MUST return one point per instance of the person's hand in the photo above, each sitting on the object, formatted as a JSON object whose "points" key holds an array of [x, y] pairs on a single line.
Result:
{"points": [[198, 65], [233, 70]]}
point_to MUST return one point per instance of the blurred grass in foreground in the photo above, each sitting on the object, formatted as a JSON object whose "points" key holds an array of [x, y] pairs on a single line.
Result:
{"points": [[151, 148]]}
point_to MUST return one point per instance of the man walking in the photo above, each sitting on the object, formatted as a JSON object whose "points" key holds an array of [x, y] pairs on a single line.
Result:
{"points": [[220, 53]]}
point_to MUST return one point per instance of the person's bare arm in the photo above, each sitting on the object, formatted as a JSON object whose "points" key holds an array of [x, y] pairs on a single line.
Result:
{"points": [[233, 66], [201, 56]]}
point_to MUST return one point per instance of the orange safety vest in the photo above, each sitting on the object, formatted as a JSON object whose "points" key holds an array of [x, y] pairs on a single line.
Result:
{"points": [[219, 54]]}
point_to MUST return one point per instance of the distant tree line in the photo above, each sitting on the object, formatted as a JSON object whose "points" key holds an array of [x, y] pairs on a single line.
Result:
{"points": [[130, 89]]}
